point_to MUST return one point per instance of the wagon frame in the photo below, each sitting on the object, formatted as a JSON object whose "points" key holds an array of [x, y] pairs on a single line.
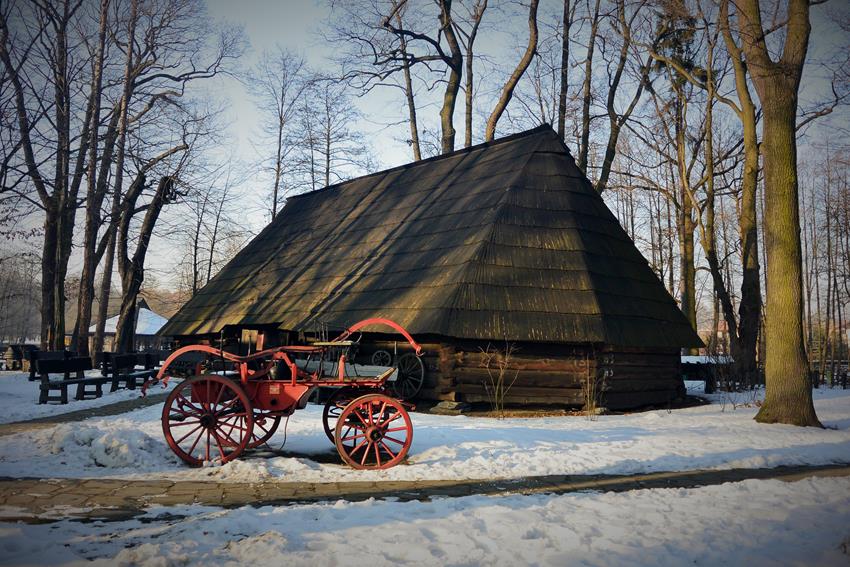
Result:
{"points": [[211, 417]]}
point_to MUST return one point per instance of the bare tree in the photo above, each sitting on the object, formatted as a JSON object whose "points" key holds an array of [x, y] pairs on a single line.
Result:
{"points": [[181, 47], [587, 92], [34, 50], [566, 23], [332, 150], [278, 84], [788, 396], [476, 14]]}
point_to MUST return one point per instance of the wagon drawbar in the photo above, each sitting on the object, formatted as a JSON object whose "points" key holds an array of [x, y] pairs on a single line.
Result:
{"points": [[214, 416]]}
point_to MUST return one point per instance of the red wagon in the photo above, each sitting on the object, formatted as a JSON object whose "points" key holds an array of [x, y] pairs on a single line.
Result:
{"points": [[214, 417]]}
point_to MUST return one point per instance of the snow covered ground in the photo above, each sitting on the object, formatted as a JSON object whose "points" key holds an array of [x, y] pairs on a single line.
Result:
{"points": [[19, 398], [748, 523], [715, 436]]}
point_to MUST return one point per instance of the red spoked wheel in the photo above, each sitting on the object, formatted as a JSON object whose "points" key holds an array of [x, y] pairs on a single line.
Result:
{"points": [[373, 432], [207, 419]]}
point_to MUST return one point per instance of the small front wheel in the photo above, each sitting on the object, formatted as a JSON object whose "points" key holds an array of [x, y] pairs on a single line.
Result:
{"points": [[373, 432], [207, 418], [337, 402]]}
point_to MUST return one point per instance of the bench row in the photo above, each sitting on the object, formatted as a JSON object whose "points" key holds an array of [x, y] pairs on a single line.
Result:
{"points": [[58, 375]]}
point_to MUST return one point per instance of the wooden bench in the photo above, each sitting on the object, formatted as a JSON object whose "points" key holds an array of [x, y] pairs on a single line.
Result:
{"points": [[122, 368], [67, 367], [36, 355]]}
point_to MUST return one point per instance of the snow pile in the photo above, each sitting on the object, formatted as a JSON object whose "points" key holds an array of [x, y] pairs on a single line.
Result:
{"points": [[747, 523], [93, 446]]}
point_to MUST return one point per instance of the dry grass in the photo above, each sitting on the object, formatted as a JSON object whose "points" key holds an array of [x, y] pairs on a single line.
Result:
{"points": [[497, 362]]}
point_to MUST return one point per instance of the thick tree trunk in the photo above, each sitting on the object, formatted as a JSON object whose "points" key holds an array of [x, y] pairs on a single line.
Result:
{"points": [[133, 268], [788, 396], [48, 280], [94, 199]]}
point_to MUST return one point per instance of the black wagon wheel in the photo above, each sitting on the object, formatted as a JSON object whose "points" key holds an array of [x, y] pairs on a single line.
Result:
{"points": [[334, 406], [411, 376], [382, 358]]}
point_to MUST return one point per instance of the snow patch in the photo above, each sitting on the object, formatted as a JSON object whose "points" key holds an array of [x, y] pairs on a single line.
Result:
{"points": [[755, 522], [115, 449]]}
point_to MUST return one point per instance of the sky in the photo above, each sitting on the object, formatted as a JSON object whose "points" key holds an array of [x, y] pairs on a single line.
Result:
{"points": [[295, 26]]}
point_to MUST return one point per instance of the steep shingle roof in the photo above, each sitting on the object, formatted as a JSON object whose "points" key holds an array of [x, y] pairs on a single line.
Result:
{"points": [[506, 240]]}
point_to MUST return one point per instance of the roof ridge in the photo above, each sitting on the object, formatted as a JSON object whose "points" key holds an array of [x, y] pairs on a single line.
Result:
{"points": [[509, 138]]}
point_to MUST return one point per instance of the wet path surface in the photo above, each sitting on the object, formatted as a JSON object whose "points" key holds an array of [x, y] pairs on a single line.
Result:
{"points": [[45, 500]]}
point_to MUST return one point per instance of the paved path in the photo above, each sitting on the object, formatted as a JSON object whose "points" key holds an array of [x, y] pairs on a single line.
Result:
{"points": [[79, 415], [41, 500], [37, 500]]}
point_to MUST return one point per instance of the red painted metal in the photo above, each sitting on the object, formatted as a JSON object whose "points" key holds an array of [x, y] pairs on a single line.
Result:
{"points": [[256, 393], [386, 322], [373, 432]]}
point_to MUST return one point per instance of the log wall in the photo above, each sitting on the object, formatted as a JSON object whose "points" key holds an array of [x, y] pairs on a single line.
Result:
{"points": [[548, 375]]}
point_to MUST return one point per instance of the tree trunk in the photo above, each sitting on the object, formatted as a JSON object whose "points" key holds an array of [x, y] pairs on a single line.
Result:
{"points": [[104, 293], [94, 199], [132, 268], [477, 15], [788, 394], [510, 85], [749, 309], [586, 92], [48, 279], [408, 94], [565, 66], [455, 64], [688, 271], [106, 282]]}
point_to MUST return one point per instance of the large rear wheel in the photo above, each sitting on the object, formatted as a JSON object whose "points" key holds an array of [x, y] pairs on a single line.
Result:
{"points": [[207, 418]]}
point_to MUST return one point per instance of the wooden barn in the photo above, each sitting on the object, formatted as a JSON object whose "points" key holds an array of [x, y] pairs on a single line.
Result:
{"points": [[500, 245]]}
